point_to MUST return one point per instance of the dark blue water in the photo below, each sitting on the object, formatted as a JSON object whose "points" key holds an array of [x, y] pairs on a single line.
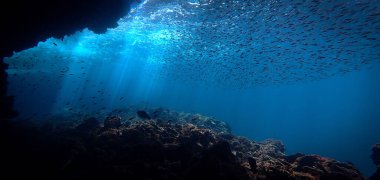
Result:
{"points": [[304, 72]]}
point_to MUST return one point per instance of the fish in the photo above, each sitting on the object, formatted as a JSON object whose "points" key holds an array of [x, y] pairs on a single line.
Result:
{"points": [[221, 44]]}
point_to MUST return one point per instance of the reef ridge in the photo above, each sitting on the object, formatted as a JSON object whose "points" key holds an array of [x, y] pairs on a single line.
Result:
{"points": [[168, 145]]}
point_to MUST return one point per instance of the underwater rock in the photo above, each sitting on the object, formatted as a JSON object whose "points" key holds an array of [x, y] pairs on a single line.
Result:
{"points": [[6, 102], [184, 118], [217, 162], [292, 158], [88, 128], [159, 149], [325, 168], [112, 122], [207, 122], [252, 164], [267, 160], [375, 156], [42, 19], [376, 176], [163, 115], [88, 125]]}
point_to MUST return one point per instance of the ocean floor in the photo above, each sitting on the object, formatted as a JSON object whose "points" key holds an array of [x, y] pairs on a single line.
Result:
{"points": [[153, 143]]}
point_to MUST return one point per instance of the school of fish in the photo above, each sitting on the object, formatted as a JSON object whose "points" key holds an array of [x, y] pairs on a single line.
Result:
{"points": [[220, 43]]}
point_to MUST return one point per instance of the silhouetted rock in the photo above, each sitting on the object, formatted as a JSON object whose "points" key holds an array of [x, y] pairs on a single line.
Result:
{"points": [[252, 164], [375, 156], [151, 149], [112, 122], [376, 176], [42, 19], [217, 162], [89, 125], [88, 128], [25, 23], [6, 102]]}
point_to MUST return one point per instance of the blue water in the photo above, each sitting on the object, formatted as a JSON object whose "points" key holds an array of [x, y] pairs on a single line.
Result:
{"points": [[304, 72]]}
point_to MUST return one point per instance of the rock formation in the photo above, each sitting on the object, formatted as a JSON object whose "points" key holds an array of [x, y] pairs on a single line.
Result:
{"points": [[155, 149], [25, 23]]}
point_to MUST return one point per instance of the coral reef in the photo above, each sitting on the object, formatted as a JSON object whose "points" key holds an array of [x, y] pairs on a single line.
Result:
{"points": [[272, 163], [156, 148], [135, 113]]}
